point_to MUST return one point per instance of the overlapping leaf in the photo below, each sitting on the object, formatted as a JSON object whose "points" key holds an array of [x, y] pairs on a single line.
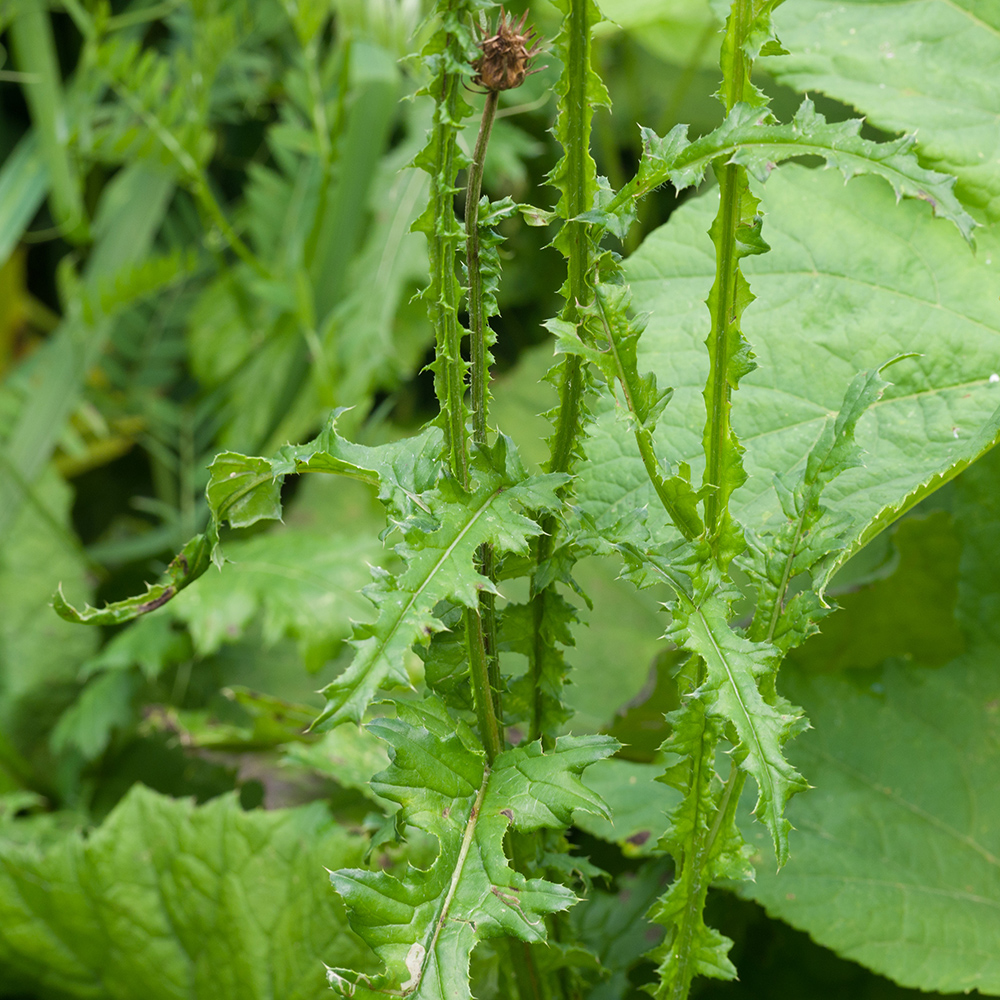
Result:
{"points": [[750, 139], [880, 279], [810, 535], [174, 901], [439, 551], [922, 73], [424, 926]]}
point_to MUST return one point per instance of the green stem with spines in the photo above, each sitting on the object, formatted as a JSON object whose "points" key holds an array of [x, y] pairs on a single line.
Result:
{"points": [[479, 354], [441, 159], [735, 236], [575, 176]]}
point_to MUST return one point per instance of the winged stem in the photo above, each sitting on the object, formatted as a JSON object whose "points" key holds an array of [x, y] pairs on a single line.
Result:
{"points": [[575, 176], [480, 380]]}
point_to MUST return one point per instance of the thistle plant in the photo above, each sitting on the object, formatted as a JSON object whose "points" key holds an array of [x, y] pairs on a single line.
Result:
{"points": [[469, 521]]}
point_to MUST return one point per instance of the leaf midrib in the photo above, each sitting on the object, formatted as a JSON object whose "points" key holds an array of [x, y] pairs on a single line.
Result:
{"points": [[456, 876]]}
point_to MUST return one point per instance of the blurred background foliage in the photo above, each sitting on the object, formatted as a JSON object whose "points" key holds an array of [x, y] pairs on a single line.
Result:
{"points": [[205, 245]]}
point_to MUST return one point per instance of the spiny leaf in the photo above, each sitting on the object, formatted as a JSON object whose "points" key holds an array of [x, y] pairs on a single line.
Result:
{"points": [[539, 630], [811, 532], [644, 401], [747, 138], [439, 550], [189, 564], [424, 926], [735, 232], [705, 843], [244, 489], [733, 665]]}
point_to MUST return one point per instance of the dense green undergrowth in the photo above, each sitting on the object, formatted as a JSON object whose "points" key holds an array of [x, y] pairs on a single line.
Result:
{"points": [[664, 466]]}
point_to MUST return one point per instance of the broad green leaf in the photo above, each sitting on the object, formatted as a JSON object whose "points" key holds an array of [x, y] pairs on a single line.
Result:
{"points": [[894, 858], [39, 654], [920, 71], [616, 926], [295, 584], [909, 614], [172, 901], [637, 802], [809, 536], [625, 628], [852, 280], [424, 926]]}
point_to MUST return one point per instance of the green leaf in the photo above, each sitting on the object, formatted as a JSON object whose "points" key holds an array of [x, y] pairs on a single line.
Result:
{"points": [[643, 400], [23, 180], [39, 654], [730, 690], [295, 584], [189, 564], [616, 925], [129, 213], [671, 29], [894, 859], [440, 558], [909, 614], [637, 801], [894, 856], [749, 139], [809, 536], [173, 901], [903, 282], [424, 926], [243, 489], [907, 74]]}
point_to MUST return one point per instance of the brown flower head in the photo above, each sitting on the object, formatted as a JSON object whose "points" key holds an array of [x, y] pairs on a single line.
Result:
{"points": [[505, 54]]}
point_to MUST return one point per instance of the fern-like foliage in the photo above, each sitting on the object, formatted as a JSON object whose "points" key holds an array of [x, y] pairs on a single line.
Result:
{"points": [[424, 925]]}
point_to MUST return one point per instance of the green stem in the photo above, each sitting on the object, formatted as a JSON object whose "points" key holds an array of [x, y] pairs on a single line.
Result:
{"points": [[577, 184], [725, 340], [489, 727], [478, 351], [444, 290], [477, 313], [718, 389]]}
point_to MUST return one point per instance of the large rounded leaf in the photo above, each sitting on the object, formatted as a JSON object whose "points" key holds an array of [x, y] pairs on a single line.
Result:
{"points": [[852, 281], [925, 66]]}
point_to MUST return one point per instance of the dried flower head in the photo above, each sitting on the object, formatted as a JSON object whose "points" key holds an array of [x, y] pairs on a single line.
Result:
{"points": [[505, 54]]}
